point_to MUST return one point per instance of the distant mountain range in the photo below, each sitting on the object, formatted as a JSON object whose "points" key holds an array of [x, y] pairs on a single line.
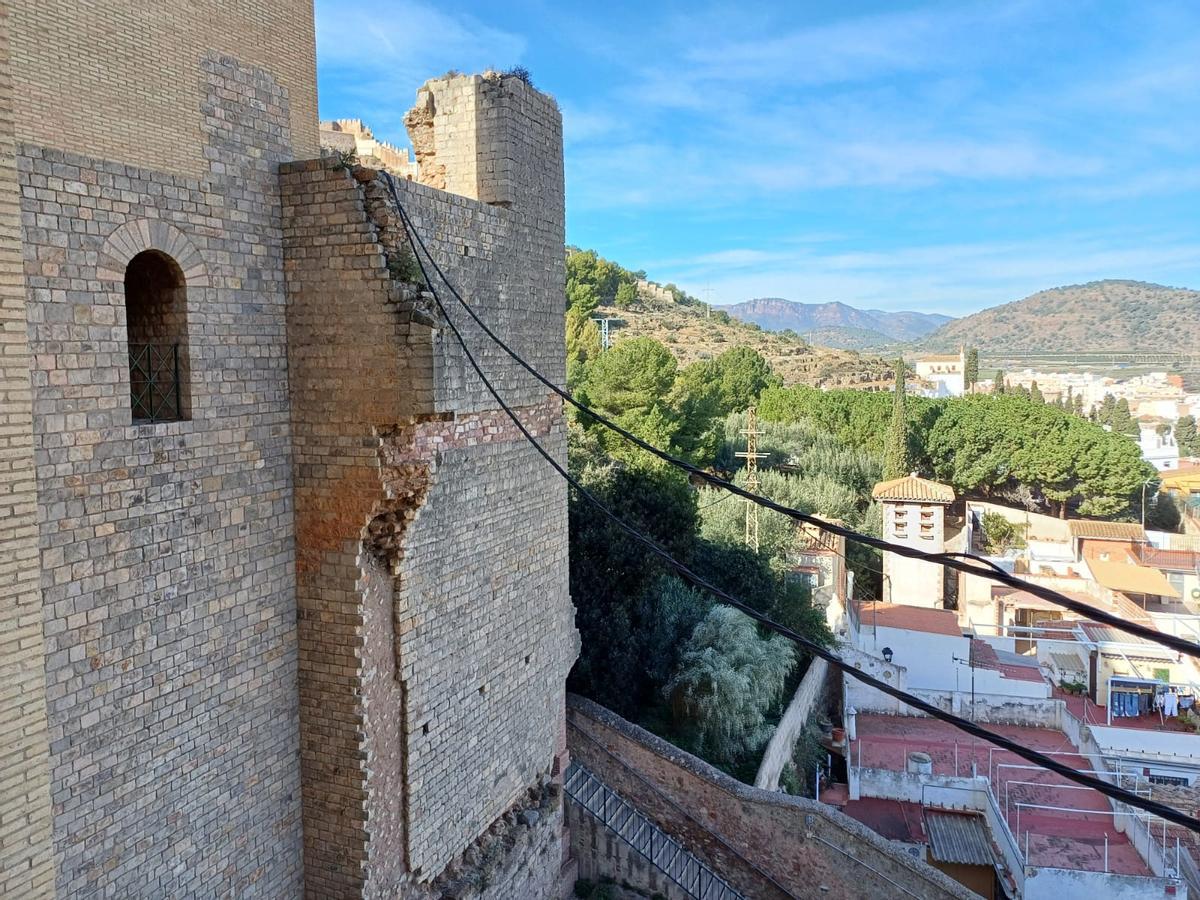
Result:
{"points": [[1101, 315], [837, 324]]}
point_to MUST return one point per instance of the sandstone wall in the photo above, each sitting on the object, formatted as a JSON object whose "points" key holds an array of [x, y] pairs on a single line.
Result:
{"points": [[26, 856], [435, 626], [122, 80], [166, 549]]}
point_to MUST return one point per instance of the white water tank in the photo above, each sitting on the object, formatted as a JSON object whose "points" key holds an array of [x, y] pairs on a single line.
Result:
{"points": [[919, 763]]}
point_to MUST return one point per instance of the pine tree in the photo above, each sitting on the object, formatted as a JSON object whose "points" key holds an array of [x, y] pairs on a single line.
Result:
{"points": [[971, 369], [896, 461]]}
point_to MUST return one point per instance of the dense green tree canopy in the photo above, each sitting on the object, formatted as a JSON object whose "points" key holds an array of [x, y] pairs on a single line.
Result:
{"points": [[983, 444], [986, 445], [1186, 436], [593, 280], [728, 678]]}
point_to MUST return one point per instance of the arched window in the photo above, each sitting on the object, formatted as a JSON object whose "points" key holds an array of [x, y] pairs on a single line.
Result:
{"points": [[156, 319]]}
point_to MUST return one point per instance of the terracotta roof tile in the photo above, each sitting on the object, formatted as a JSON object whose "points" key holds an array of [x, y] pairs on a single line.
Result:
{"points": [[910, 618], [1110, 531], [914, 489]]}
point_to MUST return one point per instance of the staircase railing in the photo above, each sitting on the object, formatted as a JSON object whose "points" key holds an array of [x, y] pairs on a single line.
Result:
{"points": [[663, 852]]}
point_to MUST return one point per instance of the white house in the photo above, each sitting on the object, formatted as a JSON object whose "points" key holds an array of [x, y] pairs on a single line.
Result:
{"points": [[914, 514], [946, 372], [1158, 448]]}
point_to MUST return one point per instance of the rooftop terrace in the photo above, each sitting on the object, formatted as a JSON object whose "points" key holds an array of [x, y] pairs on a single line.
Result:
{"points": [[1066, 826]]}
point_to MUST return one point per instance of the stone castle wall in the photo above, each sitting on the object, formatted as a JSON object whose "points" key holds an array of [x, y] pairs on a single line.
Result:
{"points": [[123, 80], [766, 844], [431, 537], [312, 637], [167, 562], [26, 854]]}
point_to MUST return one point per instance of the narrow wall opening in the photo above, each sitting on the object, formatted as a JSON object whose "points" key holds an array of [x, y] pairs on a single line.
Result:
{"points": [[156, 325]]}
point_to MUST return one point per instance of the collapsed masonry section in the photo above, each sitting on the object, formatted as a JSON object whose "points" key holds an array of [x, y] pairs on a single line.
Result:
{"points": [[435, 625]]}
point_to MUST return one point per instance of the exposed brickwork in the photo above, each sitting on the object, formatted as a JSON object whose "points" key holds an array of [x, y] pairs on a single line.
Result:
{"points": [[166, 550], [344, 570], [122, 80], [26, 856], [435, 626]]}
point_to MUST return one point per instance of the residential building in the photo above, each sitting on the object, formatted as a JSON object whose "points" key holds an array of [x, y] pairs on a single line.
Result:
{"points": [[945, 374], [914, 515]]}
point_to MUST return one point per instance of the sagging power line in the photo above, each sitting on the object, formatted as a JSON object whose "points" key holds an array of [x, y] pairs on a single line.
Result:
{"points": [[956, 561], [810, 646]]}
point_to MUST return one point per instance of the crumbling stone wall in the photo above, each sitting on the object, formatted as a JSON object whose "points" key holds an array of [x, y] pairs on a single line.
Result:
{"points": [[166, 550], [435, 625]]}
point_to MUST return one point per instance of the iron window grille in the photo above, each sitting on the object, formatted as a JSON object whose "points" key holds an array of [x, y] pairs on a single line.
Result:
{"points": [[154, 383]]}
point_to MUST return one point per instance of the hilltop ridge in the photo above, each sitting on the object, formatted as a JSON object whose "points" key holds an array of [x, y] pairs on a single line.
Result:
{"points": [[1113, 314], [691, 334], [838, 324]]}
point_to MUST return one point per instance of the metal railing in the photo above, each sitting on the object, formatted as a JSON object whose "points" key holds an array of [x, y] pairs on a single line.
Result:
{"points": [[155, 388], [663, 852]]}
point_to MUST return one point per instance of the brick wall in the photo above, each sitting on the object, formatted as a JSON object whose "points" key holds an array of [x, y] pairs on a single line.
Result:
{"points": [[26, 858], [121, 80], [167, 550], [435, 625], [767, 845]]}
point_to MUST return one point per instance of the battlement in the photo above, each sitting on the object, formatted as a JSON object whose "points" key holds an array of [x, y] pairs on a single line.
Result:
{"points": [[353, 136], [490, 137]]}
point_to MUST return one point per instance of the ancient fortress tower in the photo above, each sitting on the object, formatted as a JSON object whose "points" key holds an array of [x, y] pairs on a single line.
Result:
{"points": [[283, 595]]}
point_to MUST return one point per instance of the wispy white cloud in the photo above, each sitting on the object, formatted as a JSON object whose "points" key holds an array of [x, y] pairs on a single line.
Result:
{"points": [[380, 51], [934, 277], [695, 136]]}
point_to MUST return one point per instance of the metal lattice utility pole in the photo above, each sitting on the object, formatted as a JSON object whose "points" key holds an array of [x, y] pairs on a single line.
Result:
{"points": [[752, 456], [604, 340]]}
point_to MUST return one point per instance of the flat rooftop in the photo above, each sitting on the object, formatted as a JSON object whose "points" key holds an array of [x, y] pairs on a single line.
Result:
{"points": [[910, 618], [1070, 828]]}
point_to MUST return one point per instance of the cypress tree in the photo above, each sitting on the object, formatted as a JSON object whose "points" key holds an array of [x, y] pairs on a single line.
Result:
{"points": [[896, 461], [998, 384], [971, 369]]}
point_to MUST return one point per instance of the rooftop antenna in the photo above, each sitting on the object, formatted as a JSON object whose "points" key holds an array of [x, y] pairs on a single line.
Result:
{"points": [[752, 456]]}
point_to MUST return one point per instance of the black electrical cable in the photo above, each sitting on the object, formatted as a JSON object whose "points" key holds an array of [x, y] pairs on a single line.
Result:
{"points": [[956, 561], [1046, 762]]}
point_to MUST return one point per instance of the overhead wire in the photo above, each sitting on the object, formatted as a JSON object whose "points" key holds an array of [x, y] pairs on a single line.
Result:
{"points": [[1145, 804], [968, 563]]}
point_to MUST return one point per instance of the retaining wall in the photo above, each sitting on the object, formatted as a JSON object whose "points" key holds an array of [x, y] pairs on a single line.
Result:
{"points": [[768, 845]]}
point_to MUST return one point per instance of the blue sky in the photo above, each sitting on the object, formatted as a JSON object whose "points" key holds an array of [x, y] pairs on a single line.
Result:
{"points": [[933, 156]]}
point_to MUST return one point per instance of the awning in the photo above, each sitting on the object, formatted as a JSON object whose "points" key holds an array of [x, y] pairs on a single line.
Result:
{"points": [[1130, 578], [960, 838]]}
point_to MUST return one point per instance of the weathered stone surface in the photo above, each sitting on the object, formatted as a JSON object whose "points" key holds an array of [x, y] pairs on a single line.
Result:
{"points": [[311, 638], [431, 537], [167, 564]]}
